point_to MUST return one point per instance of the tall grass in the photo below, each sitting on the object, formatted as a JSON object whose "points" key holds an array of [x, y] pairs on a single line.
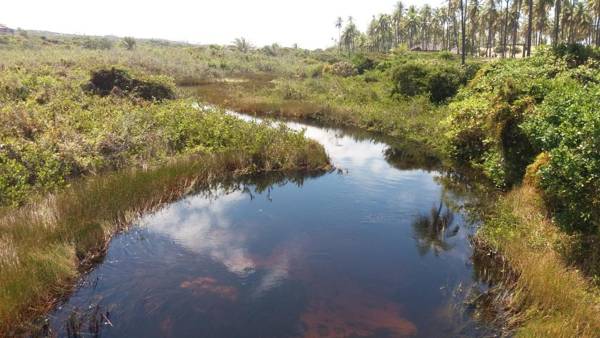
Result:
{"points": [[46, 243], [547, 297]]}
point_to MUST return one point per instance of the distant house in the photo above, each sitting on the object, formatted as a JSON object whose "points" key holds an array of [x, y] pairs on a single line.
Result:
{"points": [[5, 30]]}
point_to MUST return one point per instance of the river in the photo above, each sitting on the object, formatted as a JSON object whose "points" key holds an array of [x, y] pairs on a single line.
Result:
{"points": [[376, 248]]}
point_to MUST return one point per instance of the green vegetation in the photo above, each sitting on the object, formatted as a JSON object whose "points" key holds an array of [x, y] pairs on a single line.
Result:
{"points": [[535, 124], [547, 105], [83, 106], [543, 295], [528, 121], [365, 91]]}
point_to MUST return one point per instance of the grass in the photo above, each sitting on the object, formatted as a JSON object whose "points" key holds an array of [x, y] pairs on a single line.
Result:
{"points": [[548, 297]]}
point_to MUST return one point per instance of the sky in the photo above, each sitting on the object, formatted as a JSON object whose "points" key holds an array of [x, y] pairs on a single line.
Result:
{"points": [[309, 23]]}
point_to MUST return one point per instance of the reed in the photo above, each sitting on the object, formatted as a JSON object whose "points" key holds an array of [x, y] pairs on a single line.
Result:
{"points": [[547, 297]]}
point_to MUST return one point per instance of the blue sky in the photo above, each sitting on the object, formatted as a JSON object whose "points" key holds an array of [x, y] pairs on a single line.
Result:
{"points": [[310, 23]]}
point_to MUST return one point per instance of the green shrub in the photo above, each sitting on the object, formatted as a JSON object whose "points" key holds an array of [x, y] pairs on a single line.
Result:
{"points": [[437, 80], [567, 126], [515, 110], [97, 43], [576, 54], [410, 79], [443, 83], [363, 63]]}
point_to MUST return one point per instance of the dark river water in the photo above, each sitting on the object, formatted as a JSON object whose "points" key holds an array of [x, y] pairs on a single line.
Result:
{"points": [[368, 250]]}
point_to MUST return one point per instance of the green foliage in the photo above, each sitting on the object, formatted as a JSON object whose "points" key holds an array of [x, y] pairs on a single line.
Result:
{"points": [[97, 43], [514, 110], [567, 126], [438, 80], [576, 54], [410, 79], [52, 130], [363, 63]]}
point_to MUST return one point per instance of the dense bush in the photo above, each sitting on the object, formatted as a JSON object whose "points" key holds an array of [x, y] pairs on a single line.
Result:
{"points": [[439, 81], [567, 126], [363, 63], [515, 110], [410, 79], [576, 54], [51, 130]]}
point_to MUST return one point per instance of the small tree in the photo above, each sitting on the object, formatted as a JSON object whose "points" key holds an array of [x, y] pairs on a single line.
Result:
{"points": [[129, 42], [242, 45]]}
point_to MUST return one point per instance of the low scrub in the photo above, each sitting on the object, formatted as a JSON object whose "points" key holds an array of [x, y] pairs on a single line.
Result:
{"points": [[53, 131]]}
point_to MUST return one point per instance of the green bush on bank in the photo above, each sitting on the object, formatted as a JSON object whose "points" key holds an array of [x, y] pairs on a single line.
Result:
{"points": [[438, 79], [514, 110]]}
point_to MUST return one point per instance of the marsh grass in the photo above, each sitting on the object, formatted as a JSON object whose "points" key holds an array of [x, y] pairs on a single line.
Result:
{"points": [[333, 101], [542, 295], [47, 243]]}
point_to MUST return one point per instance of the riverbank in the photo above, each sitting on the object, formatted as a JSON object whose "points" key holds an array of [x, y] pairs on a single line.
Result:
{"points": [[400, 95], [48, 243], [553, 284], [86, 147], [541, 294]]}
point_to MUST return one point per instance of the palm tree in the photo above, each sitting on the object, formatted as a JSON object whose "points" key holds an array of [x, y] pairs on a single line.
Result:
{"points": [[242, 45], [582, 22], [474, 20], [129, 43], [412, 24], [527, 51], [349, 35], [514, 23], [540, 18], [433, 231], [437, 26], [338, 24], [397, 20], [385, 32], [490, 15], [463, 28], [425, 15], [594, 8], [557, 17]]}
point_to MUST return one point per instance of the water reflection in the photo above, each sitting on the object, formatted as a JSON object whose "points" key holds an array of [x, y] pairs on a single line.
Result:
{"points": [[432, 231], [202, 226], [291, 256]]}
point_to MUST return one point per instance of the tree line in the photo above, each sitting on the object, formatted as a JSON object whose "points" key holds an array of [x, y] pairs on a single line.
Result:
{"points": [[490, 28]]}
